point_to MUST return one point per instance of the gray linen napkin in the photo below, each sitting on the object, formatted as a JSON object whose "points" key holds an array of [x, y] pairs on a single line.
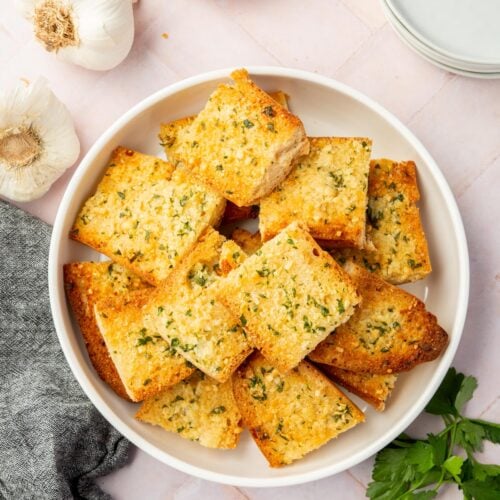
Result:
{"points": [[53, 442]]}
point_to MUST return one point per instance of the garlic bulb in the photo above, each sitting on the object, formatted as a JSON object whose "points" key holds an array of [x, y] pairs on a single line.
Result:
{"points": [[95, 34], [37, 141]]}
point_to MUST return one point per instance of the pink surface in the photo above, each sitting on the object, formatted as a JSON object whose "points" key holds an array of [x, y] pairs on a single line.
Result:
{"points": [[457, 119]]}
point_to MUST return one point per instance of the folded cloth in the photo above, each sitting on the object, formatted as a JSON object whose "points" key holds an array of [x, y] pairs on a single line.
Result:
{"points": [[53, 442]]}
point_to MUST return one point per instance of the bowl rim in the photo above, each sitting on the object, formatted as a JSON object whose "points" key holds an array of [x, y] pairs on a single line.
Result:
{"points": [[58, 300]]}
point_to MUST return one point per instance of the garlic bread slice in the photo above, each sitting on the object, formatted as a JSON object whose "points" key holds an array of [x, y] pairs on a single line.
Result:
{"points": [[326, 192], [242, 144], [399, 253], [188, 314], [288, 296], [199, 409], [292, 414], [145, 215], [389, 332]]}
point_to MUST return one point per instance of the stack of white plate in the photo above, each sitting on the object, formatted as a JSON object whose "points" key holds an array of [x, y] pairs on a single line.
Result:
{"points": [[461, 36]]}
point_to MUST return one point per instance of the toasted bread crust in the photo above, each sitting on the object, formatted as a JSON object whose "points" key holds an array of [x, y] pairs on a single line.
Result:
{"points": [[145, 215], [399, 254], [293, 414], [280, 97], [243, 142], [374, 389], [390, 332], [289, 278], [326, 191], [198, 409], [86, 283], [249, 242]]}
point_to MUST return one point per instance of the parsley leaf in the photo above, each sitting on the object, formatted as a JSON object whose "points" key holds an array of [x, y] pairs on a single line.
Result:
{"points": [[491, 430], [467, 388], [443, 402]]}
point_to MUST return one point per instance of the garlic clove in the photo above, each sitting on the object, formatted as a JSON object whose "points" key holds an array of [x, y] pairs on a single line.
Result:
{"points": [[37, 141], [95, 34]]}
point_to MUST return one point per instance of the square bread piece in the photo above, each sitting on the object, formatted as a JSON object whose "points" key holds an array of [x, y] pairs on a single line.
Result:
{"points": [[289, 296], [146, 363], [144, 215], [87, 283], [243, 142], [199, 409], [291, 415], [326, 192], [389, 332], [187, 313], [400, 252], [374, 389], [173, 134]]}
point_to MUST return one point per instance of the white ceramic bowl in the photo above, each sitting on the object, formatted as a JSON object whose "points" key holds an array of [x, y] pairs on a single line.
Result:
{"points": [[326, 108]]}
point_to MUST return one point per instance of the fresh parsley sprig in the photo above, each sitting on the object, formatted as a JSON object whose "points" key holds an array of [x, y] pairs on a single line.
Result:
{"points": [[416, 469]]}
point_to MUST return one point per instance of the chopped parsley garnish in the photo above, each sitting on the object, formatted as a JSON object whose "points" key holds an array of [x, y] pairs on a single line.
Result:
{"points": [[264, 272], [257, 388], [247, 123], [340, 306], [269, 111], [413, 264], [338, 179]]}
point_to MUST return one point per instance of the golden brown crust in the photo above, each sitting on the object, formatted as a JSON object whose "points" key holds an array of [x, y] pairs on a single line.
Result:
{"points": [[145, 214], [399, 253], [198, 409], [390, 331], [242, 143], [249, 242], [374, 389], [289, 295], [86, 283], [326, 191], [280, 97], [293, 414], [146, 363]]}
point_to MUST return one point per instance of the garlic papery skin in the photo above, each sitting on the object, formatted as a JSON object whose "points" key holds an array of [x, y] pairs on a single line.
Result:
{"points": [[95, 34], [38, 141]]}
